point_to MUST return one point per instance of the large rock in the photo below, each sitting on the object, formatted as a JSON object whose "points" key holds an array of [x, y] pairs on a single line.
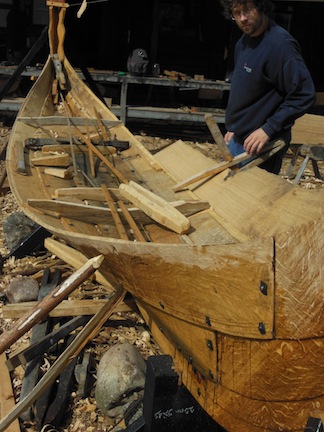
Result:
{"points": [[121, 371], [17, 227], [22, 289]]}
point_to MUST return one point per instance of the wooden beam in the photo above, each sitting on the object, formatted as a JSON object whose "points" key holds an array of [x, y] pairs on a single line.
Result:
{"points": [[186, 207], [75, 259], [97, 214], [54, 160], [119, 225], [67, 148], [62, 173], [82, 212], [155, 207], [218, 137], [65, 309], [7, 398], [64, 121], [137, 233]]}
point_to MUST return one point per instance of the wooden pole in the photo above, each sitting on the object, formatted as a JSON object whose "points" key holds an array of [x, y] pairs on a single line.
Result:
{"points": [[115, 171], [119, 225], [218, 137]]}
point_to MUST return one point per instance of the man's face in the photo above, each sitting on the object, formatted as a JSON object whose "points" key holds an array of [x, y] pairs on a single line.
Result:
{"points": [[248, 18]]}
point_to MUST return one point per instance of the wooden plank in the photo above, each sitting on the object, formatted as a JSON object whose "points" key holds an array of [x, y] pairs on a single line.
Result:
{"points": [[222, 166], [64, 121], [102, 129], [155, 207], [299, 278], [248, 414], [308, 129], [65, 309], [137, 233], [209, 172], [59, 172], [54, 160], [218, 137], [20, 151], [293, 366], [96, 214], [84, 193], [7, 398], [159, 234], [74, 258], [86, 213], [119, 225], [76, 148], [196, 349], [186, 207], [274, 204]]}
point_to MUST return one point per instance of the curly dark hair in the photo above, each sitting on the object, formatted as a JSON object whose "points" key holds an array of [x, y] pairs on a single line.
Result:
{"points": [[264, 6]]}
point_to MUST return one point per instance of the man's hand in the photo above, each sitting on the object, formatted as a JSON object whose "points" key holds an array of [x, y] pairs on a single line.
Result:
{"points": [[228, 136], [255, 141]]}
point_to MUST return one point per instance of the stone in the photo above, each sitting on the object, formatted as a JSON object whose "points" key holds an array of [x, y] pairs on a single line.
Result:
{"points": [[121, 371], [22, 289], [17, 227]]}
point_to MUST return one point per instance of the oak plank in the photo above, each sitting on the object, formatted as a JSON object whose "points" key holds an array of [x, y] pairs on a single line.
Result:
{"points": [[66, 308], [55, 160], [7, 399], [74, 258], [64, 121], [155, 207], [218, 137], [59, 172]]}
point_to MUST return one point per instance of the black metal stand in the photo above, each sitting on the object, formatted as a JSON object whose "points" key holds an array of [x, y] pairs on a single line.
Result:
{"points": [[314, 425], [168, 406], [25, 62]]}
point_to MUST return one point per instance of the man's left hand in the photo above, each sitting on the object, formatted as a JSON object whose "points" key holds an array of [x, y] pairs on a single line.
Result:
{"points": [[255, 141]]}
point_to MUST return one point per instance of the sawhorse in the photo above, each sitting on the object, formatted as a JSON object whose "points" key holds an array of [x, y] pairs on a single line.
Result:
{"points": [[313, 153]]}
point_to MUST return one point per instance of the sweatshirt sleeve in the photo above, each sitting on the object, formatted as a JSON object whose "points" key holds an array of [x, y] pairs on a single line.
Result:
{"points": [[295, 82]]}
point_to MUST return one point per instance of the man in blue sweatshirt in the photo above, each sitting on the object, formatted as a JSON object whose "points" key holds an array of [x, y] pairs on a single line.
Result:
{"points": [[270, 85]]}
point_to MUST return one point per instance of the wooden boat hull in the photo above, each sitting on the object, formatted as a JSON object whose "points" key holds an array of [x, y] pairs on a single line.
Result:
{"points": [[237, 301]]}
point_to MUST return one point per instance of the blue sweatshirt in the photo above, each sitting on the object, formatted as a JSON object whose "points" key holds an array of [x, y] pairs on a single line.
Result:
{"points": [[270, 87]]}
